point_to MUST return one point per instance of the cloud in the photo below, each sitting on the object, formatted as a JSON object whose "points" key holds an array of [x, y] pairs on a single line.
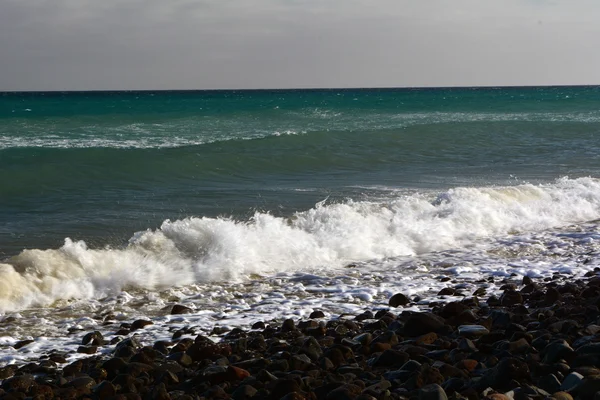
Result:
{"points": [[136, 44]]}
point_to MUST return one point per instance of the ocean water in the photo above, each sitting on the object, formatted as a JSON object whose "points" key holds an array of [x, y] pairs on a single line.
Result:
{"points": [[261, 205]]}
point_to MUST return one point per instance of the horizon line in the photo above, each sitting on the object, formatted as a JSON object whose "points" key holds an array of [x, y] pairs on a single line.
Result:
{"points": [[302, 88]]}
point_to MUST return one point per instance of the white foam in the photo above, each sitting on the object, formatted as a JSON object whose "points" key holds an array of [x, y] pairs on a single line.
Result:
{"points": [[159, 133], [325, 238]]}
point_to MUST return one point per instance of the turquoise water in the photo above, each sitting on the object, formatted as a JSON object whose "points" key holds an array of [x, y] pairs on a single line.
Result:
{"points": [[100, 166]]}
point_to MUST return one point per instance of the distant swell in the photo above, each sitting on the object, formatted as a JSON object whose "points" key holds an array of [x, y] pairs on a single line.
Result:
{"points": [[325, 237]]}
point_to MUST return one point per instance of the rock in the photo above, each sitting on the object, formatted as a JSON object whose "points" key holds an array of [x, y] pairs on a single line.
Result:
{"points": [[236, 373], [588, 387], [178, 309], [449, 371], [95, 338], [453, 309], [288, 325], [378, 389], [429, 375], [7, 371], [510, 298], [244, 392], [57, 358], [388, 337], [497, 396], [390, 358], [432, 392], [139, 324], [549, 383], [300, 362], [472, 331], [293, 396], [427, 338], [22, 343], [398, 300], [446, 292], [557, 350], [160, 392], [20, 383], [316, 314], [592, 348], [258, 325], [215, 392], [82, 382], [571, 381], [552, 296], [562, 396], [281, 365], [132, 342], [519, 346], [126, 383], [135, 369], [312, 348], [467, 345], [411, 365], [421, 323], [364, 338], [200, 351], [283, 386], [42, 392], [345, 392], [87, 349], [114, 366], [509, 286], [168, 378], [72, 369], [507, 370], [182, 358], [467, 364]]}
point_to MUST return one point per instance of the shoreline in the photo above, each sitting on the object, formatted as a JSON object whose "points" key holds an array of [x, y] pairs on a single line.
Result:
{"points": [[538, 338]]}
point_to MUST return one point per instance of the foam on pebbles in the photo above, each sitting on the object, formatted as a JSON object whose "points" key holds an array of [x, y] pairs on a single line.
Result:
{"points": [[530, 350], [490, 268], [455, 316]]}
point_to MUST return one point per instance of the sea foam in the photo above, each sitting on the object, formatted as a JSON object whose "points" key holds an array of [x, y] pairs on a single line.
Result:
{"points": [[318, 240]]}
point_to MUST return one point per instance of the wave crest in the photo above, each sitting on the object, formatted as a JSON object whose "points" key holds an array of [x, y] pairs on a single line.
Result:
{"points": [[323, 238]]}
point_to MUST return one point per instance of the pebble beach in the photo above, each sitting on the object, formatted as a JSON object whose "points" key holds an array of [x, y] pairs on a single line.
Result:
{"points": [[536, 339]]}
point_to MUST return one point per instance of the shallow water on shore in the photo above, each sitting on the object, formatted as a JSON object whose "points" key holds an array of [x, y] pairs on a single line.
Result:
{"points": [[563, 254]]}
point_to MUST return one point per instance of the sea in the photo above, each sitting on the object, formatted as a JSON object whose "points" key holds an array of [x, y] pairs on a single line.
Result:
{"points": [[263, 205]]}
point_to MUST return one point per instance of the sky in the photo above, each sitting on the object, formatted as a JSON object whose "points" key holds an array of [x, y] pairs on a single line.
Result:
{"points": [[243, 44]]}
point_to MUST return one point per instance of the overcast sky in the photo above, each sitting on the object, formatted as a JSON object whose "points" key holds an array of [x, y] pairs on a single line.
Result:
{"points": [[209, 44]]}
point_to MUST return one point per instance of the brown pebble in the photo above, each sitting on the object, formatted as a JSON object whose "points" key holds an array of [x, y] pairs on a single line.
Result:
{"points": [[379, 347], [139, 324], [87, 349], [497, 396], [398, 300], [511, 298], [22, 343], [446, 292], [562, 396], [427, 338], [288, 325], [467, 364], [237, 373], [179, 309]]}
